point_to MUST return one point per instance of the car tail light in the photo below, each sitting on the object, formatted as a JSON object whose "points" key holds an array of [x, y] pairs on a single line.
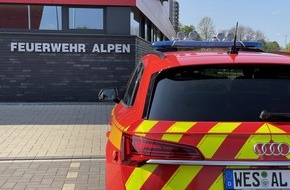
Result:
{"points": [[137, 150]]}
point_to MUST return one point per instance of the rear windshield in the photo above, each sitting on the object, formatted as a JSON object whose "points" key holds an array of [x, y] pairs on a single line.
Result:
{"points": [[220, 93]]}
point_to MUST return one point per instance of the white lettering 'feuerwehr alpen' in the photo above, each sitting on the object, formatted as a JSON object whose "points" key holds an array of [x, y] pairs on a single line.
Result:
{"points": [[111, 48], [48, 47]]}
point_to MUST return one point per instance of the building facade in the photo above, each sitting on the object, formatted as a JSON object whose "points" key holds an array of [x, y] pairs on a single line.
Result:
{"points": [[60, 50]]}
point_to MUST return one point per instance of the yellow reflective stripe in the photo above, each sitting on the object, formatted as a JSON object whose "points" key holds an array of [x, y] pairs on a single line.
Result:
{"points": [[115, 137], [263, 129], [182, 177], [178, 127], [218, 183], [224, 127], [282, 139], [210, 143], [139, 176], [275, 129], [279, 138], [145, 126], [117, 124], [126, 129], [247, 151], [116, 133]]}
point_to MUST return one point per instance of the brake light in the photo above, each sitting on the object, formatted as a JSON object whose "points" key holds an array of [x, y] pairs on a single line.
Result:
{"points": [[137, 150]]}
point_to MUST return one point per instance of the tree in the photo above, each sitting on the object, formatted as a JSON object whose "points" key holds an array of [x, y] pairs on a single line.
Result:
{"points": [[242, 33], [287, 48], [271, 46], [249, 34], [246, 33], [259, 35], [187, 29], [206, 28]]}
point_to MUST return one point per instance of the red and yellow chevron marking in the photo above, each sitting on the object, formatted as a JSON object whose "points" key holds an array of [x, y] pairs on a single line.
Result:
{"points": [[177, 128], [179, 180], [140, 176], [144, 127], [216, 141], [246, 152]]}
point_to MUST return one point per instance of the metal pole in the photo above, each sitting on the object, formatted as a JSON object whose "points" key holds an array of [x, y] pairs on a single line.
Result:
{"points": [[74, 18], [57, 19], [29, 19]]}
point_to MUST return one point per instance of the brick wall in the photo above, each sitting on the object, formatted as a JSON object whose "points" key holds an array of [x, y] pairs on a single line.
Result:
{"points": [[66, 75], [142, 47]]}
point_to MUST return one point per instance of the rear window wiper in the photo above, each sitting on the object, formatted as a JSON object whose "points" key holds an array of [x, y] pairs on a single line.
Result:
{"points": [[269, 116]]}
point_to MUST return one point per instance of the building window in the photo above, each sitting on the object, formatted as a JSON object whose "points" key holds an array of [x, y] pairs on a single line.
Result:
{"points": [[86, 18], [30, 17], [14, 16], [154, 34], [51, 18], [149, 31], [146, 30], [142, 28], [135, 24]]}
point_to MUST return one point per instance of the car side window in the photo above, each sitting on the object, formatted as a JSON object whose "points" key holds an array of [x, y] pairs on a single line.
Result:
{"points": [[133, 85]]}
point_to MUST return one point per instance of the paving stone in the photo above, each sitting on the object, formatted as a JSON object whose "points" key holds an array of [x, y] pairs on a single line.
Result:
{"points": [[40, 144]]}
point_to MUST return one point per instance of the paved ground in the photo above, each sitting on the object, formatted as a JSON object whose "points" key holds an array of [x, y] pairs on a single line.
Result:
{"points": [[53, 146], [65, 174]]}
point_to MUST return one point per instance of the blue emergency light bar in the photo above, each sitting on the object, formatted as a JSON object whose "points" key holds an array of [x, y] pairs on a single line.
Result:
{"points": [[204, 44]]}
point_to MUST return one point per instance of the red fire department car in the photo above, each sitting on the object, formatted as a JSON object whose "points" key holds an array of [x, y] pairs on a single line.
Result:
{"points": [[202, 119]]}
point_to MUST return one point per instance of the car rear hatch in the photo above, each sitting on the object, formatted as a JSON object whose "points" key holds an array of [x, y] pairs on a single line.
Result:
{"points": [[222, 126]]}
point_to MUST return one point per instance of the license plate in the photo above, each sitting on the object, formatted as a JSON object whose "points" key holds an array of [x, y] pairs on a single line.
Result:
{"points": [[256, 179]]}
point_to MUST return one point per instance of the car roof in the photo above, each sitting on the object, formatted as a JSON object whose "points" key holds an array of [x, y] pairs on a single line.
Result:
{"points": [[162, 60], [218, 57]]}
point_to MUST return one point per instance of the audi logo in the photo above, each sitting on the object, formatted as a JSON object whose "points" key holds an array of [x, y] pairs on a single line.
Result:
{"points": [[272, 149]]}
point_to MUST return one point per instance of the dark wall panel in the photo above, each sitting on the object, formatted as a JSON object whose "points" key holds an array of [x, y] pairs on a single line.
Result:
{"points": [[35, 73], [118, 20]]}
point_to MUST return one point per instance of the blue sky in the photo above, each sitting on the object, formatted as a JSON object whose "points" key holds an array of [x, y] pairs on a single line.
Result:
{"points": [[270, 16]]}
